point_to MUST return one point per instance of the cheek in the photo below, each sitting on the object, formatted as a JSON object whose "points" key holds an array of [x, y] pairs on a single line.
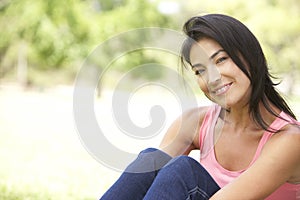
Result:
{"points": [[203, 86], [243, 79]]}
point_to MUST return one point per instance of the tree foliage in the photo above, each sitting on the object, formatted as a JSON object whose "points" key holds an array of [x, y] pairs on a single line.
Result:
{"points": [[54, 34]]}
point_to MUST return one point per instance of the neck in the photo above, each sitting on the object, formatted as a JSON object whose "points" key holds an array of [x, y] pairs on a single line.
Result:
{"points": [[241, 119], [238, 119]]}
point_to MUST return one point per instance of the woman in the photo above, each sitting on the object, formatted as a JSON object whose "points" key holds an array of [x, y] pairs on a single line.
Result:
{"points": [[249, 139]]}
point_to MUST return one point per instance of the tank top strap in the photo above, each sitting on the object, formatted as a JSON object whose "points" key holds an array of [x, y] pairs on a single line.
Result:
{"points": [[207, 127], [277, 124]]}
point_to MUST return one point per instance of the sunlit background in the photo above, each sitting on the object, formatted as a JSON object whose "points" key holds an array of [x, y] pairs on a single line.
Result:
{"points": [[43, 45]]}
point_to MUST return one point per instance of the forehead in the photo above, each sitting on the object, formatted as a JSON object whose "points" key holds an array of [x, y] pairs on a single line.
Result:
{"points": [[203, 50]]}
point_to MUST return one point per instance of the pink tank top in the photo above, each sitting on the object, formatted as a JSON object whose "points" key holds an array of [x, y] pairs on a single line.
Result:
{"points": [[223, 176]]}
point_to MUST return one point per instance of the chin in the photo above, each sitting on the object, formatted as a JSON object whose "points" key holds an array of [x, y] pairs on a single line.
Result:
{"points": [[220, 101]]}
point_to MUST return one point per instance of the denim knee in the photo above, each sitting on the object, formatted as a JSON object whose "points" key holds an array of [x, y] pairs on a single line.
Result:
{"points": [[191, 173], [184, 162], [149, 160]]}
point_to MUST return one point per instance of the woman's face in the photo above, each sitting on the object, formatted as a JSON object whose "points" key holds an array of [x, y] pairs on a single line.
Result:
{"points": [[218, 76]]}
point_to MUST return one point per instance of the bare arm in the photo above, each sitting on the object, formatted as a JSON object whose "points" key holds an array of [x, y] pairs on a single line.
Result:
{"points": [[278, 163], [182, 137]]}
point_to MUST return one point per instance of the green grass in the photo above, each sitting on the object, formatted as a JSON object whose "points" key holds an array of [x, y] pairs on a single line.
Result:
{"points": [[14, 194]]}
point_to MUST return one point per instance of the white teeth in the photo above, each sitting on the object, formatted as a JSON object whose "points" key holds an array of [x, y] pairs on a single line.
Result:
{"points": [[222, 89]]}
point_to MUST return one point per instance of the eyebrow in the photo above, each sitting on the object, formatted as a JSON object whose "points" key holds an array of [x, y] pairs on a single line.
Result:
{"points": [[210, 58]]}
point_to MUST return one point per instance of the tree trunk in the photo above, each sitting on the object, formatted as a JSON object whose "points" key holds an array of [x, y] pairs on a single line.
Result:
{"points": [[22, 67]]}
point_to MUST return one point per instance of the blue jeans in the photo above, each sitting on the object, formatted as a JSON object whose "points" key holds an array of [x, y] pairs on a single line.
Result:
{"points": [[154, 175]]}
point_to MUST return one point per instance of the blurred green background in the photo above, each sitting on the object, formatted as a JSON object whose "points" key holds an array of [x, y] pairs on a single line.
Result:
{"points": [[43, 44]]}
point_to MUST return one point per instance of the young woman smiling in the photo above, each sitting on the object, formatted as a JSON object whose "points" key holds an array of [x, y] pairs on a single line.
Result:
{"points": [[249, 139]]}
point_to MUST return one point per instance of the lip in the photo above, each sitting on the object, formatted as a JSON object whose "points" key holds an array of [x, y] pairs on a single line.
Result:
{"points": [[222, 89]]}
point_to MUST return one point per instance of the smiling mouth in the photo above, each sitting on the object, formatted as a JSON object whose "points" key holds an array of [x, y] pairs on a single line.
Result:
{"points": [[222, 89]]}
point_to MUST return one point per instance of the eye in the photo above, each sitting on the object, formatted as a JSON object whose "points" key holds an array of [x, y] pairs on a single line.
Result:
{"points": [[199, 72], [220, 60]]}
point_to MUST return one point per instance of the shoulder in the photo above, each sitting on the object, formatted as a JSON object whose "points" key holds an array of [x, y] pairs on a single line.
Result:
{"points": [[284, 149], [195, 115], [288, 134], [190, 124], [182, 136], [190, 120]]}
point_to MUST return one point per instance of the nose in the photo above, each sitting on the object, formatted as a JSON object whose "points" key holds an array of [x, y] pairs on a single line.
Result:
{"points": [[213, 75]]}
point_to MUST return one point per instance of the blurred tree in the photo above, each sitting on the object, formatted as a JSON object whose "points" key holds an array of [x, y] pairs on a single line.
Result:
{"points": [[104, 5], [277, 24], [46, 34], [51, 34], [121, 16], [54, 34]]}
